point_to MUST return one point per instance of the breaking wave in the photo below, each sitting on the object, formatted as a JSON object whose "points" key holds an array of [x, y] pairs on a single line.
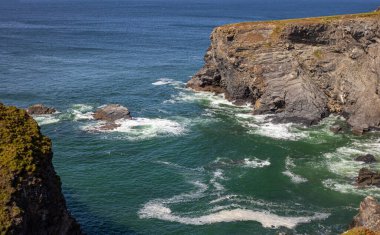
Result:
{"points": [[141, 128]]}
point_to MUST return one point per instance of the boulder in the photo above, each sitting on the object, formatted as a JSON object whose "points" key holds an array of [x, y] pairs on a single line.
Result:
{"points": [[40, 109], [368, 178], [112, 112], [367, 158], [369, 215], [335, 129]]}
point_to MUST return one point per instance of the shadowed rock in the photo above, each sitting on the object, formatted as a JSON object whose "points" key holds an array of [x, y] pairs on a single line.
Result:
{"points": [[368, 158], [40, 109], [335, 129]]}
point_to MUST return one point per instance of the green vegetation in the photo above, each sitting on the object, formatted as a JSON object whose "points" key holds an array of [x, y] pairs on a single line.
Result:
{"points": [[22, 150], [360, 231], [318, 54], [322, 19]]}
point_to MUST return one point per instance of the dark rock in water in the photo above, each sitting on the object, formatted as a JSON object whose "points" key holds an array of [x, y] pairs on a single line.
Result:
{"points": [[335, 128], [368, 158], [112, 112], [301, 70], [368, 178], [31, 199], [369, 216], [40, 109]]}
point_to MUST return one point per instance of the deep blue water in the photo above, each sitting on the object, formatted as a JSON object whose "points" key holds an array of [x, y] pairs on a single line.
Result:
{"points": [[189, 163]]}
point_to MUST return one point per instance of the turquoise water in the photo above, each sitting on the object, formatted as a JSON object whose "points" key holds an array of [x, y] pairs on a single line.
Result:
{"points": [[189, 163]]}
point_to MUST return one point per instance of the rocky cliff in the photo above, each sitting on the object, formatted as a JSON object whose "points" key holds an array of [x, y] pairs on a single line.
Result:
{"points": [[31, 201], [301, 70]]}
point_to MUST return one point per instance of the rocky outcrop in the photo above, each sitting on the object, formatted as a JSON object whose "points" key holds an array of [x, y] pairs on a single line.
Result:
{"points": [[110, 114], [369, 216], [368, 178], [40, 109], [367, 158], [31, 201], [301, 70]]}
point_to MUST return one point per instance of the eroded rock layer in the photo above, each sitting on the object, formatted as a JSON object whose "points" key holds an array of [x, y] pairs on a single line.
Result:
{"points": [[31, 201], [301, 70]]}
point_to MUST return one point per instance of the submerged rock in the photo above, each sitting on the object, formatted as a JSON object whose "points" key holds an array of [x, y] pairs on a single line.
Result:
{"points": [[301, 70], [368, 217], [368, 178], [368, 158], [335, 129], [31, 200], [112, 112], [40, 109]]}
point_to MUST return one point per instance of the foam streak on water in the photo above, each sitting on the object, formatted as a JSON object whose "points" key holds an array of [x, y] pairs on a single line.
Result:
{"points": [[289, 164], [267, 219]]}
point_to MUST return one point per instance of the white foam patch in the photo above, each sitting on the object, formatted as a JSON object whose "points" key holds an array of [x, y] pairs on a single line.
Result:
{"points": [[176, 166], [81, 112], [297, 179], [263, 125], [267, 219], [46, 119], [350, 188], [167, 81], [255, 163], [217, 176], [208, 98], [341, 162], [142, 128]]}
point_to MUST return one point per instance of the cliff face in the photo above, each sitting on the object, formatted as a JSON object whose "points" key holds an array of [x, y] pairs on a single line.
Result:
{"points": [[301, 70], [31, 201]]}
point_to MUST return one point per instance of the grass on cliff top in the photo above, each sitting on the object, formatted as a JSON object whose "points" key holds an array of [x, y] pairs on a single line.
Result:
{"points": [[311, 20], [21, 148]]}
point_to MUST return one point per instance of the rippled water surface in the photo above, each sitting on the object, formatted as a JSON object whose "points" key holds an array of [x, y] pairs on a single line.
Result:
{"points": [[188, 163]]}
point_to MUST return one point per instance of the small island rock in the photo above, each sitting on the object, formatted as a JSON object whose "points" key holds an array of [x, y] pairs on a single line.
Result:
{"points": [[112, 112], [367, 158], [40, 109]]}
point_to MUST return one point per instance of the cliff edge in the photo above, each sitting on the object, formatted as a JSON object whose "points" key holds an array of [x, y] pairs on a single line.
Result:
{"points": [[301, 70], [31, 201]]}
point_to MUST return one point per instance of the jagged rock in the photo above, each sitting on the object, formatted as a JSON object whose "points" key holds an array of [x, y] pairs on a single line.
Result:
{"points": [[112, 112], [40, 109], [31, 201], [367, 158], [369, 215], [335, 128], [301, 70], [368, 178]]}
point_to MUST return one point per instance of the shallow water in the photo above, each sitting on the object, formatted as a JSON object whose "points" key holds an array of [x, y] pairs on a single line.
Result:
{"points": [[188, 163]]}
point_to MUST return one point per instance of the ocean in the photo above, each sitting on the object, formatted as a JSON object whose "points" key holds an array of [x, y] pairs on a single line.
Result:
{"points": [[188, 163]]}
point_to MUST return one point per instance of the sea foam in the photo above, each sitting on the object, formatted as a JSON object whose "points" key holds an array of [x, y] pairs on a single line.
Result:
{"points": [[142, 128], [268, 220], [297, 179], [46, 119]]}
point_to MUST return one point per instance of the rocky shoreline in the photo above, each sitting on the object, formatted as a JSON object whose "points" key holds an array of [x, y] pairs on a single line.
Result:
{"points": [[31, 199], [301, 70]]}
